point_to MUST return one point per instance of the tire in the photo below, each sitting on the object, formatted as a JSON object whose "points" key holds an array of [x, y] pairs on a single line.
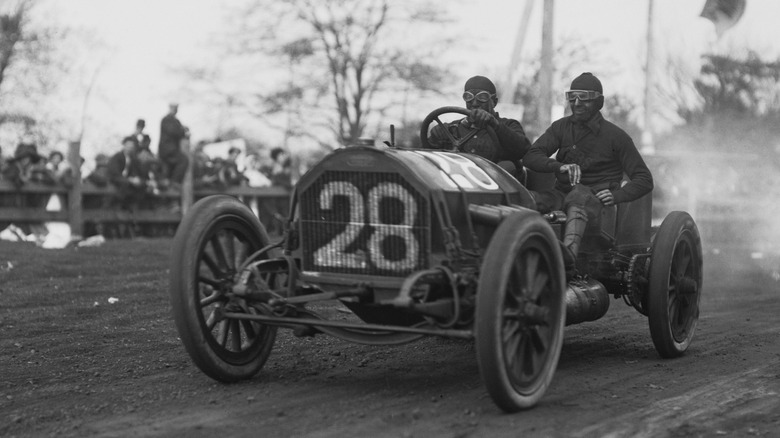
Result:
{"points": [[213, 239], [521, 311], [675, 283]]}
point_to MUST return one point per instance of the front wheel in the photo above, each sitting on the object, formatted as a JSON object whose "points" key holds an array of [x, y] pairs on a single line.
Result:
{"points": [[210, 245], [675, 284], [521, 311]]}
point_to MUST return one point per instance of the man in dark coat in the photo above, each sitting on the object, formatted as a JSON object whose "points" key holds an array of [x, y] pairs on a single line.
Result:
{"points": [[479, 94], [99, 176], [591, 157], [142, 139], [124, 174], [172, 132]]}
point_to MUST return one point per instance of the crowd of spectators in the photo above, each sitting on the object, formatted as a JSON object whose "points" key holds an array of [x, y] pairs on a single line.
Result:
{"points": [[27, 165], [140, 176], [234, 170]]}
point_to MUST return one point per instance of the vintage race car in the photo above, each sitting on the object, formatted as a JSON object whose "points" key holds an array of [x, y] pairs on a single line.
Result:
{"points": [[418, 242]]}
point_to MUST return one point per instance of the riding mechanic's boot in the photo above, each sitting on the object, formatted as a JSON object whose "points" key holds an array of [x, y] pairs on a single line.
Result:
{"points": [[576, 221]]}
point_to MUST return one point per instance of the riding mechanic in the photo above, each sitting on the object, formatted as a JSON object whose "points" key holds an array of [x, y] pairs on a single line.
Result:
{"points": [[592, 157]]}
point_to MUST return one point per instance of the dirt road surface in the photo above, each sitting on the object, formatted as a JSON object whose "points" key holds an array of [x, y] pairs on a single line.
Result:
{"points": [[75, 362]]}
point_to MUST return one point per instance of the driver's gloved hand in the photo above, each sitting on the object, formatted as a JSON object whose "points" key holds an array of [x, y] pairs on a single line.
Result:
{"points": [[482, 118]]}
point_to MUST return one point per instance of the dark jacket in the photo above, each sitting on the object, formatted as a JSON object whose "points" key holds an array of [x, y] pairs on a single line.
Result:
{"points": [[171, 134], [99, 176], [143, 140], [603, 151], [513, 143], [119, 170]]}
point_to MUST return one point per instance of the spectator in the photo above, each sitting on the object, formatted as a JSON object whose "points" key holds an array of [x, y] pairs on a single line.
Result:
{"points": [[252, 172], [172, 132], [151, 169], [21, 169], [142, 139], [99, 176], [125, 174], [59, 169], [25, 167], [204, 172], [40, 173], [229, 175], [280, 172], [217, 164]]}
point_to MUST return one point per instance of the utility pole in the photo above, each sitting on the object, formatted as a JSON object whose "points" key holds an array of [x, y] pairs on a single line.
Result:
{"points": [[546, 70], [510, 82], [648, 146], [544, 110]]}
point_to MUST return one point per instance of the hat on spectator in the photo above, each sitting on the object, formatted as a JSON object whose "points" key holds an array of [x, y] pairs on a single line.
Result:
{"points": [[25, 150], [101, 158]]}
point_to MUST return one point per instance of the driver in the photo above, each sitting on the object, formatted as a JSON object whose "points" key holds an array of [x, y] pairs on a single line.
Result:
{"points": [[480, 97], [592, 157]]}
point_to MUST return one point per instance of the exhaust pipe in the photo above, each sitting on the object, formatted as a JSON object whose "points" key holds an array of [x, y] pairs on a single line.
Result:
{"points": [[586, 300]]}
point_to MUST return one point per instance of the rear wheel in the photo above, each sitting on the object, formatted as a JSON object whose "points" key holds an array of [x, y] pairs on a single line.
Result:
{"points": [[675, 284], [210, 245], [521, 311]]}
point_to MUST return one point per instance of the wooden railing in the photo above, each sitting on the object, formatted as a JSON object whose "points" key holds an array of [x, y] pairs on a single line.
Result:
{"points": [[87, 205]]}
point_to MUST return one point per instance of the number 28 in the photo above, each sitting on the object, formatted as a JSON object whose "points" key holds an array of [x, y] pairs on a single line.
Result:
{"points": [[334, 254]]}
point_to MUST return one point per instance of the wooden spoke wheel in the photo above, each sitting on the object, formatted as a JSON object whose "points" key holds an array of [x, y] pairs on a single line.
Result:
{"points": [[211, 243], [675, 284], [521, 311]]}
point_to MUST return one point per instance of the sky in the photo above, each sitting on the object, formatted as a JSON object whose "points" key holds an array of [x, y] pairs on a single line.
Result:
{"points": [[147, 39]]}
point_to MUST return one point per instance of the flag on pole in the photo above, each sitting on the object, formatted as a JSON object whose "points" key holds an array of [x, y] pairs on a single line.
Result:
{"points": [[723, 13]]}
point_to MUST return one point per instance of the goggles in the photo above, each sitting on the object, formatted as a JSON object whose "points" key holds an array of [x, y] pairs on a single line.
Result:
{"points": [[482, 96], [582, 95]]}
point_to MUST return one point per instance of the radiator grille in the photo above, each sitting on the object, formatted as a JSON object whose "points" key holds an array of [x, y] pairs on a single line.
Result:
{"points": [[371, 223]]}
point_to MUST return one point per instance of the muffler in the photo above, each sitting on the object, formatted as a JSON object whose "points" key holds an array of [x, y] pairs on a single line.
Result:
{"points": [[586, 300]]}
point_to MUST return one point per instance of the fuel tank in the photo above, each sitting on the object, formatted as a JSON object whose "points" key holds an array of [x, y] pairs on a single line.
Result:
{"points": [[586, 300]]}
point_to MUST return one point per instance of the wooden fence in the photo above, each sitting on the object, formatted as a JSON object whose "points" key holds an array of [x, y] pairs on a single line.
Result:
{"points": [[87, 207]]}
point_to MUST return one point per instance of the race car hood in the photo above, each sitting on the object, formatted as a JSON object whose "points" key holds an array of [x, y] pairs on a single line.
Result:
{"points": [[426, 170]]}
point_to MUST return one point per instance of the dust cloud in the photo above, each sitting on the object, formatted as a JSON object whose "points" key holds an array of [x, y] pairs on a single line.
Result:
{"points": [[733, 196]]}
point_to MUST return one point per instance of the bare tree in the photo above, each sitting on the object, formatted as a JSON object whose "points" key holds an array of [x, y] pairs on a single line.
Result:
{"points": [[10, 35], [11, 25], [736, 103], [350, 60], [747, 85], [28, 64]]}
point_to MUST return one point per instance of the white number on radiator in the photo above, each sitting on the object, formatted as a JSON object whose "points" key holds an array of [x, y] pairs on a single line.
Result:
{"points": [[334, 254]]}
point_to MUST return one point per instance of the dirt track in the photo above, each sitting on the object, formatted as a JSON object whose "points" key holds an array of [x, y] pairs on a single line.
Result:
{"points": [[69, 367]]}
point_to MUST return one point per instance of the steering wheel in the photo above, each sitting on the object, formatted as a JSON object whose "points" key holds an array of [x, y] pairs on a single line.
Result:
{"points": [[456, 142]]}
